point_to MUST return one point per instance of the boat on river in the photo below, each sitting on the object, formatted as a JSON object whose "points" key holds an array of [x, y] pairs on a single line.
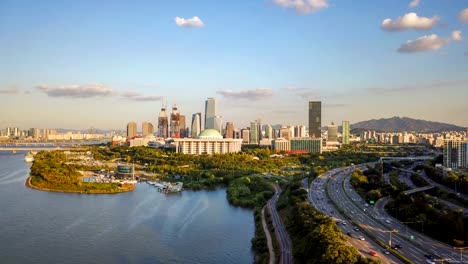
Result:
{"points": [[29, 157]]}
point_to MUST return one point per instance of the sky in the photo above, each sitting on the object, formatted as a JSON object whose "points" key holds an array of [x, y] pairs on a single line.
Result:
{"points": [[101, 64]]}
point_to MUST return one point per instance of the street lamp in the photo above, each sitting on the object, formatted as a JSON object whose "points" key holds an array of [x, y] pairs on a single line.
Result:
{"points": [[461, 252], [390, 239]]}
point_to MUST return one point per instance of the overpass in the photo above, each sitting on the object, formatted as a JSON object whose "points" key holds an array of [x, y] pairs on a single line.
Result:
{"points": [[407, 158], [420, 189]]}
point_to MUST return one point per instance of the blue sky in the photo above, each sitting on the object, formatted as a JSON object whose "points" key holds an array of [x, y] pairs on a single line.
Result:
{"points": [[82, 64]]}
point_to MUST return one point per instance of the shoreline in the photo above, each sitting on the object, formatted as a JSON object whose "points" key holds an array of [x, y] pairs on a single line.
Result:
{"points": [[30, 186]]}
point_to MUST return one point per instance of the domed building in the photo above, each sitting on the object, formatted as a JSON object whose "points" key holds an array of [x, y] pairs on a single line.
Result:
{"points": [[209, 141]]}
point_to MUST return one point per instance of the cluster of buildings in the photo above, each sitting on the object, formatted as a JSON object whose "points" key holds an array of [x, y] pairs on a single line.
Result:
{"points": [[37, 134]]}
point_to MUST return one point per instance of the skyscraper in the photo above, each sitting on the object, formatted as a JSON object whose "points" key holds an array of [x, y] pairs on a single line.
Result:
{"points": [[196, 125], [218, 123], [210, 113], [254, 133], [268, 132], [332, 133], [147, 129], [131, 130], [163, 123], [182, 126], [229, 130], [175, 123], [315, 119], [345, 133]]}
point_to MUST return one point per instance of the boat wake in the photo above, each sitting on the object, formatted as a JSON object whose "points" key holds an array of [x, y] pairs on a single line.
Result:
{"points": [[201, 206]]}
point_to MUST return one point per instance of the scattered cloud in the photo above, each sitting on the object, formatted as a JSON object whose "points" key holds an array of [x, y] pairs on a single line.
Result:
{"points": [[419, 87], [414, 3], [12, 90], [253, 95], [294, 88], [456, 35], [428, 43], [189, 22], [76, 91], [130, 95], [303, 6], [409, 21], [463, 16]]}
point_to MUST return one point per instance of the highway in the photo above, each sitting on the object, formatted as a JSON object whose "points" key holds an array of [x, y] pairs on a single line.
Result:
{"points": [[280, 231], [318, 197], [412, 249]]}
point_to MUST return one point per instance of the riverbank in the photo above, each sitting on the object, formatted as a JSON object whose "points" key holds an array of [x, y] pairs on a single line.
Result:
{"points": [[28, 184]]}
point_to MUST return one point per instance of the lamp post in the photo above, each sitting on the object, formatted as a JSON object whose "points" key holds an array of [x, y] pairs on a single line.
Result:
{"points": [[461, 252], [390, 239]]}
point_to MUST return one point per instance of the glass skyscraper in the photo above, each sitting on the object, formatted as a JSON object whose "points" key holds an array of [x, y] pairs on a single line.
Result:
{"points": [[315, 119]]}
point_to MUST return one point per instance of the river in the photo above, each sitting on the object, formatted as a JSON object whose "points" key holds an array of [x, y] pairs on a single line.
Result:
{"points": [[143, 226]]}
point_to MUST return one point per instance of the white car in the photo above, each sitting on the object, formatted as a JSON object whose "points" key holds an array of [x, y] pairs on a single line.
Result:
{"points": [[361, 238]]}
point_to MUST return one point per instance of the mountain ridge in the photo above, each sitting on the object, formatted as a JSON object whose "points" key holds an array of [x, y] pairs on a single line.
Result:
{"points": [[401, 124]]}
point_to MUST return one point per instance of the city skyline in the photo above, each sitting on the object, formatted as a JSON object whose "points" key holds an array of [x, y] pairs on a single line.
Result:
{"points": [[87, 64]]}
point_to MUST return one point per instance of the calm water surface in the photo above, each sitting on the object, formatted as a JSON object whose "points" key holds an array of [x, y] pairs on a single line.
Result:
{"points": [[143, 226]]}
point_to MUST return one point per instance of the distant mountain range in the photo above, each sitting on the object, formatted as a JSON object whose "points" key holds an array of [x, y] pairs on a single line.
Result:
{"points": [[400, 124]]}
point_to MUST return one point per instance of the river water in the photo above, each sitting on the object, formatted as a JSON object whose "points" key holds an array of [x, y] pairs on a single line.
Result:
{"points": [[143, 226]]}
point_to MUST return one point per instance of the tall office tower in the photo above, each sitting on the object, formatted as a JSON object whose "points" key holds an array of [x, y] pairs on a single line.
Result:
{"points": [[229, 130], [15, 132], [147, 129], [196, 125], [455, 153], [163, 123], [332, 133], [315, 119], [245, 136], [268, 132], [183, 130], [254, 133], [345, 133], [210, 113], [131, 130], [175, 123], [218, 124], [260, 134]]}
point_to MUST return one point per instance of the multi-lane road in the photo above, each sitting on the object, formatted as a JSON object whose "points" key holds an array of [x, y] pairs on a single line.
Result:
{"points": [[318, 197], [374, 221], [280, 231]]}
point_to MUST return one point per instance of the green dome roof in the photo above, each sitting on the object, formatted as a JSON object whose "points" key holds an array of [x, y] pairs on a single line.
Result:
{"points": [[210, 134]]}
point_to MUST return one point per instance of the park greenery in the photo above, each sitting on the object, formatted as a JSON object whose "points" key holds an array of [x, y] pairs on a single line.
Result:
{"points": [[50, 171]]}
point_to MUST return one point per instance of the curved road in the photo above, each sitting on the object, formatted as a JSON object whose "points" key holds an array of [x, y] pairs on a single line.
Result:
{"points": [[281, 235]]}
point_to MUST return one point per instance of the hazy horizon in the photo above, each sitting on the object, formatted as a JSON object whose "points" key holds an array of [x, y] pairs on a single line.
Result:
{"points": [[84, 64]]}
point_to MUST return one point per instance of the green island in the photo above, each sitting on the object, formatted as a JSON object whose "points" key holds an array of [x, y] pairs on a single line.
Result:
{"points": [[248, 177]]}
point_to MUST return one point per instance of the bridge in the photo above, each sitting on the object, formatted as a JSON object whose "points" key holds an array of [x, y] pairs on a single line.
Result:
{"points": [[38, 148], [407, 158], [421, 189]]}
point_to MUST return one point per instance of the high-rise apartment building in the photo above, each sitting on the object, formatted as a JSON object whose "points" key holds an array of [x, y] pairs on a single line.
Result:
{"points": [[455, 153], [131, 130], [315, 119], [34, 133], [147, 129], [210, 113], [332, 133], [345, 132], [229, 130], [163, 123], [268, 132], [195, 127]]}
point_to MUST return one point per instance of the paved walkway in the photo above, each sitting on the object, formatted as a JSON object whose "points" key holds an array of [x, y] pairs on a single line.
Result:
{"points": [[271, 251]]}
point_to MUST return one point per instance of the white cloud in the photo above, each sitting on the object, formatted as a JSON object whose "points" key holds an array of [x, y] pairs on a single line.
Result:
{"points": [[456, 35], [428, 43], [189, 22], [253, 95], [409, 21], [141, 98], [414, 3], [303, 6], [76, 91], [463, 16], [13, 90]]}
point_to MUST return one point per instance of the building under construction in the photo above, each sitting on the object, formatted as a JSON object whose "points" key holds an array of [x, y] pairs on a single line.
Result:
{"points": [[175, 123], [163, 123]]}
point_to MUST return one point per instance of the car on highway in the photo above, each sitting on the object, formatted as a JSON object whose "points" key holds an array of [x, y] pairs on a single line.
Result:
{"points": [[373, 253], [396, 246], [349, 234], [388, 221], [361, 238], [386, 252]]}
